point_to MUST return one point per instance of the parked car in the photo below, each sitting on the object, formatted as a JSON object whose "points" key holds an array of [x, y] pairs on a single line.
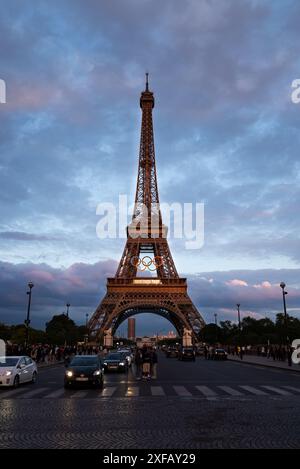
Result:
{"points": [[17, 370], [115, 361], [84, 369], [187, 353], [220, 354]]}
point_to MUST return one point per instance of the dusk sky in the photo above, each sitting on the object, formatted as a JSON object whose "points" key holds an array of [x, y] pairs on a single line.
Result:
{"points": [[226, 134]]}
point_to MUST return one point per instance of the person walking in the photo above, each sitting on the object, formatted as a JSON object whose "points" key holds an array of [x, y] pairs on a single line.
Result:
{"points": [[146, 362], [154, 361], [138, 362]]}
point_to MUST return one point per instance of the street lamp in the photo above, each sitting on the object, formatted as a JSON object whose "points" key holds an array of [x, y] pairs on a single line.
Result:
{"points": [[86, 320], [240, 338], [287, 339], [27, 320], [216, 324], [68, 306]]}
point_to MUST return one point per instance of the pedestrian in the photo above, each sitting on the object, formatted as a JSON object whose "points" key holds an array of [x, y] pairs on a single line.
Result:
{"points": [[146, 362], [154, 361], [138, 362]]}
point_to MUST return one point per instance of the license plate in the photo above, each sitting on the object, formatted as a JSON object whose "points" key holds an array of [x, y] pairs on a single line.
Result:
{"points": [[113, 366], [82, 379]]}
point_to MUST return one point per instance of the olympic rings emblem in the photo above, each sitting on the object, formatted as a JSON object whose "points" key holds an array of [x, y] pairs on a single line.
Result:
{"points": [[146, 263]]}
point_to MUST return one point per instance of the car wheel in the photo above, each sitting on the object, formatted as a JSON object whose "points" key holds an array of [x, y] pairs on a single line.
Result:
{"points": [[34, 377], [16, 381]]}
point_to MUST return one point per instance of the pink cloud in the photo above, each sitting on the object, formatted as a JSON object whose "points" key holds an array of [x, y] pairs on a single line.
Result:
{"points": [[265, 284], [237, 283], [40, 276]]}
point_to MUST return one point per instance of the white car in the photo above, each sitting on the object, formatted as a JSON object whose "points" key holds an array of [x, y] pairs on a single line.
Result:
{"points": [[17, 370]]}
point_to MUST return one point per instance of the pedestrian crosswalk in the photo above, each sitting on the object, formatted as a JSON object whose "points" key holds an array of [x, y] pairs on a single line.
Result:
{"points": [[135, 390]]}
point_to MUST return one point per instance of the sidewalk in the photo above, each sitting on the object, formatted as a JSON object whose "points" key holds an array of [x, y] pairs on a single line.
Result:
{"points": [[263, 361]]}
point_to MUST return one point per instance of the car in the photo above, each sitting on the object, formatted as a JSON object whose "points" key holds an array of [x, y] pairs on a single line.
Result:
{"points": [[200, 351], [172, 352], [187, 353], [17, 370], [128, 355], [84, 370], [115, 361], [220, 354]]}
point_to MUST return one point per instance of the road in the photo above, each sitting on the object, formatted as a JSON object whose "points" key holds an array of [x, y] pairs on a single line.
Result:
{"points": [[205, 404]]}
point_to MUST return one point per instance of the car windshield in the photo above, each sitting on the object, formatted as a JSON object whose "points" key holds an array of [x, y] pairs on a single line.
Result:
{"points": [[114, 356], [84, 361], [8, 361]]}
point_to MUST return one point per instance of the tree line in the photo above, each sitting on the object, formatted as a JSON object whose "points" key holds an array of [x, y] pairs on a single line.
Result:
{"points": [[62, 330], [253, 331], [59, 331]]}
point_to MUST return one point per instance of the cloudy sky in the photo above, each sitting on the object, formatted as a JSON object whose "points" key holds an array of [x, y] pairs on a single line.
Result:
{"points": [[226, 134]]}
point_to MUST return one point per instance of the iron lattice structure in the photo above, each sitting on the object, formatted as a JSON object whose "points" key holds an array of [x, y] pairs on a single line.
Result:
{"points": [[127, 293]]}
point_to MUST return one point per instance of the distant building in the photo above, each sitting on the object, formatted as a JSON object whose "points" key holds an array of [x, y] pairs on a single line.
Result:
{"points": [[131, 329]]}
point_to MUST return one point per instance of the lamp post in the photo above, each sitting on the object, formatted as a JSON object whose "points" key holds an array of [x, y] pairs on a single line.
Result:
{"points": [[216, 324], [68, 306], [240, 337], [27, 320], [287, 339]]}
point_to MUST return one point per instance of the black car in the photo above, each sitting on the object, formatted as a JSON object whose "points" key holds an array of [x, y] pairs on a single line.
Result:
{"points": [[115, 361], [220, 354], [84, 369], [172, 352], [187, 353]]}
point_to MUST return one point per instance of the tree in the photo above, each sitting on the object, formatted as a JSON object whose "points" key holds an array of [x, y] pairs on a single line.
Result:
{"points": [[61, 330], [211, 333]]}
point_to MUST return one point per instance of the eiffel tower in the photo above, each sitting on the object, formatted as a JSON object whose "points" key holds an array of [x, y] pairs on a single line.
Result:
{"points": [[146, 250]]}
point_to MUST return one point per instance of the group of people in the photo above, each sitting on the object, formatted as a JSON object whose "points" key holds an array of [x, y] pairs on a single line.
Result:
{"points": [[145, 361], [43, 353]]}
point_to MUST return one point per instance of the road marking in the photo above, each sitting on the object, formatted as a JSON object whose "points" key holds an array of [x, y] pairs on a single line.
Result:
{"points": [[231, 391], [78, 394], [206, 391], [30, 394], [292, 388], [11, 392], [108, 392], [55, 394], [253, 390], [277, 390], [132, 391], [182, 391], [157, 391]]}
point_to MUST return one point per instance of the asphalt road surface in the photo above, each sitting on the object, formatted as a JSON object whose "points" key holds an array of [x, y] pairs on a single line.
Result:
{"points": [[202, 404]]}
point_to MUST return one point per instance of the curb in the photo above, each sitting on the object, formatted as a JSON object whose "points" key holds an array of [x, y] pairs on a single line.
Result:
{"points": [[266, 365]]}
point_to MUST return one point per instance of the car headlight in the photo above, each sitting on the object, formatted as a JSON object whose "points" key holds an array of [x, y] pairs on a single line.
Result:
{"points": [[96, 373], [69, 374], [105, 363], [8, 373], [122, 364]]}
